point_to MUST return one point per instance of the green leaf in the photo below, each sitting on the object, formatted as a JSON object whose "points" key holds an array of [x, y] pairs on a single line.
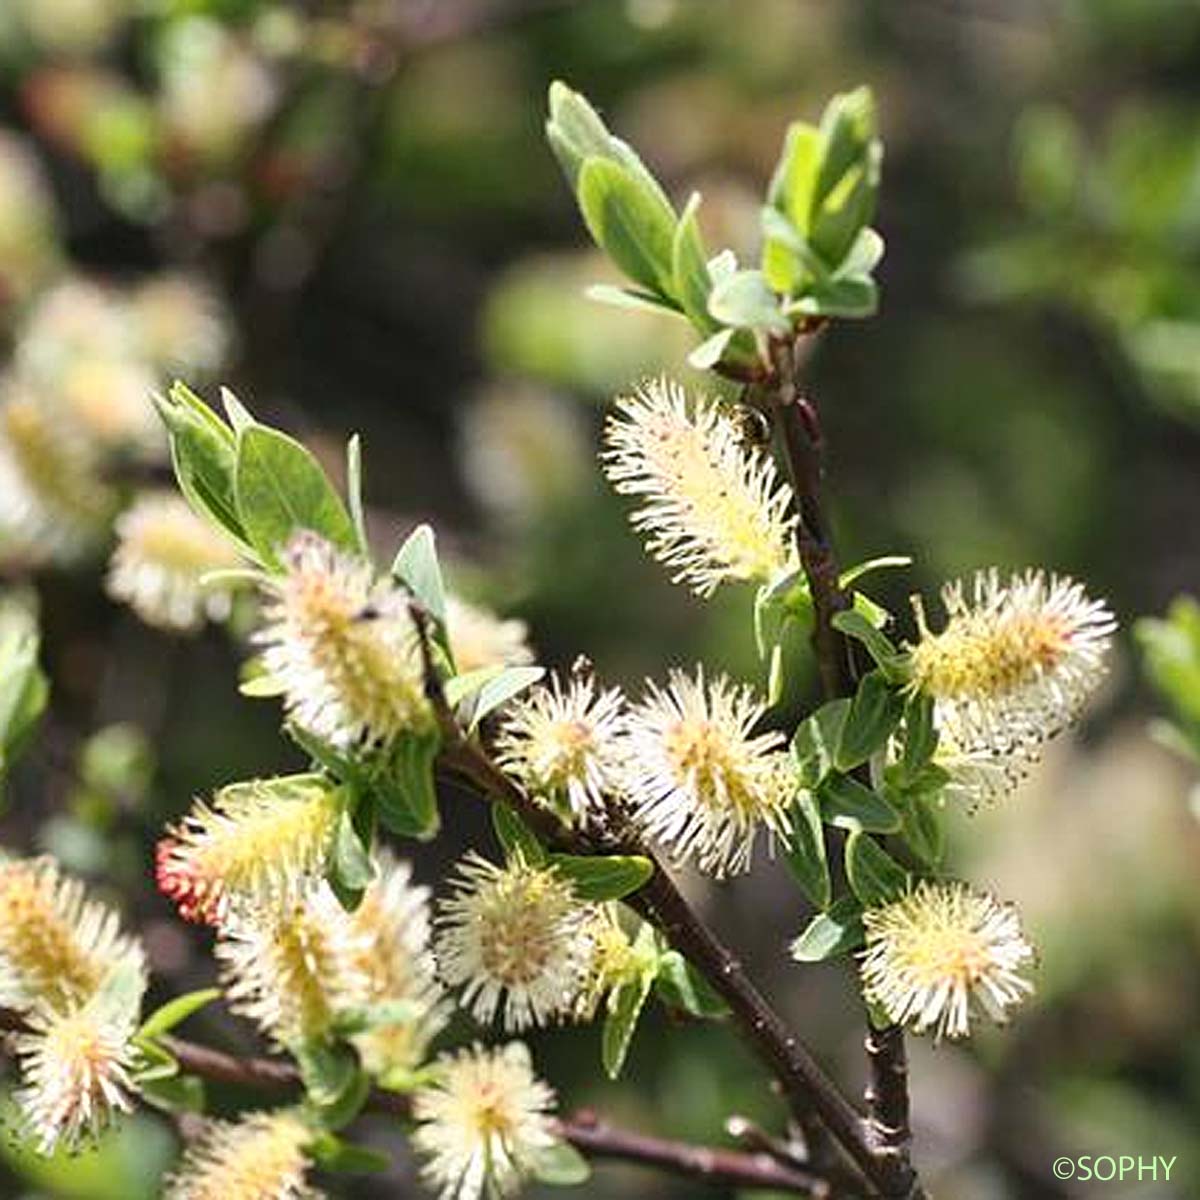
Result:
{"points": [[710, 351], [689, 267], [559, 1165], [920, 734], [257, 683], [848, 178], [404, 787], [874, 712], [575, 130], [576, 133], [681, 986], [353, 1021], [351, 866], [831, 934], [847, 211], [885, 561], [863, 257], [152, 1061], [120, 993], [238, 414], [500, 689], [921, 827], [625, 1004], [282, 490], [848, 296], [603, 877], [203, 455], [515, 837], [794, 182], [745, 300], [854, 624], [874, 876], [354, 492], [336, 1084], [848, 804], [790, 265], [629, 222], [776, 605], [805, 850], [173, 1093], [463, 687], [631, 298], [331, 1153], [417, 567], [176, 1011], [816, 740]]}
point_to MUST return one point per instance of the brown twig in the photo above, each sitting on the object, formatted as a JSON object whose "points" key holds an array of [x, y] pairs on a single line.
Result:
{"points": [[809, 1092], [798, 427], [590, 1135], [887, 1089], [799, 430], [717, 1167]]}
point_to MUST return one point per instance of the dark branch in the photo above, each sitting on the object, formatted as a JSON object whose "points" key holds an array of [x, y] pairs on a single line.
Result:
{"points": [[799, 430], [592, 1137], [887, 1090]]}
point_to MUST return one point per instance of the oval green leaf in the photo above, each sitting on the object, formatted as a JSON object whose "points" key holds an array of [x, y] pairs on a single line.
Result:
{"points": [[282, 490]]}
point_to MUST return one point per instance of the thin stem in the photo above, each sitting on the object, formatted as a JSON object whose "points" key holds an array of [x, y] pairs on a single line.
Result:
{"points": [[798, 424], [731, 1168], [799, 430], [590, 1135], [887, 1091]]}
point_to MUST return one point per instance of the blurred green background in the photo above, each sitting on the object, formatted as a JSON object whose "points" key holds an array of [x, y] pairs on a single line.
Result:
{"points": [[366, 187]]}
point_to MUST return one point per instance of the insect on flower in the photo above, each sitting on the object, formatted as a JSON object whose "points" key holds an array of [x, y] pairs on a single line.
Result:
{"points": [[714, 509]]}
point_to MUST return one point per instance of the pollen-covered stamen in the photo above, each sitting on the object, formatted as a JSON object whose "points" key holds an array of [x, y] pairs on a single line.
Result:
{"points": [[942, 951], [261, 1157], [76, 1065], [482, 1122], [342, 647], [614, 960], [699, 779], [514, 939], [257, 841], [563, 743], [56, 945], [1016, 662], [392, 954], [714, 509], [293, 968]]}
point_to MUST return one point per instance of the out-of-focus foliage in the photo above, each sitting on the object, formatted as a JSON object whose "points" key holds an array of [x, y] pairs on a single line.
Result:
{"points": [[23, 686], [1171, 650], [1111, 229]]}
